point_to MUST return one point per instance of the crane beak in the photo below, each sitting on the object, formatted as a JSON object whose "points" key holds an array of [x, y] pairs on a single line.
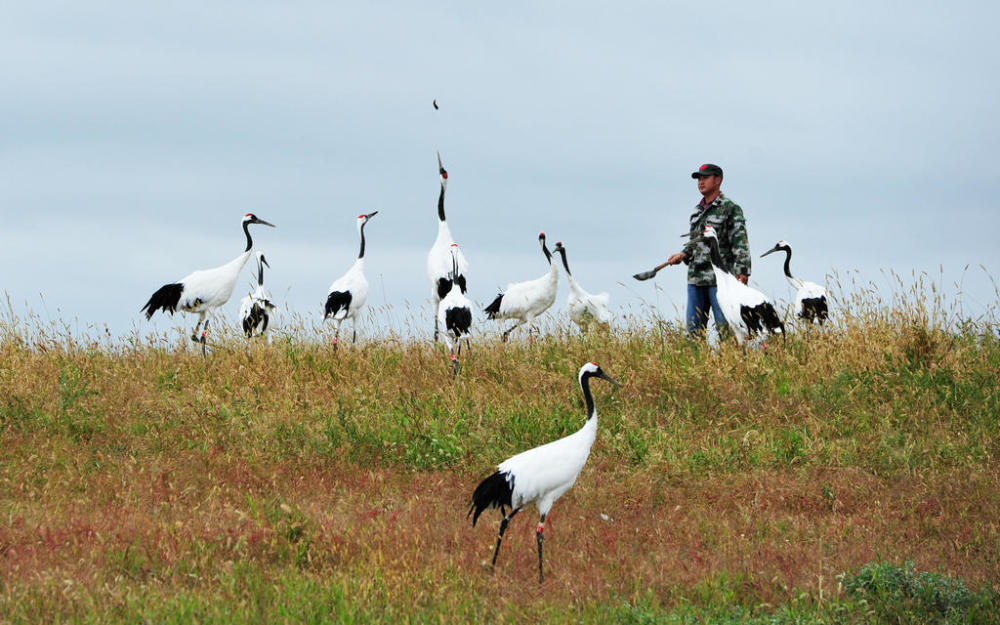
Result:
{"points": [[770, 251], [264, 260], [263, 223], [607, 377], [371, 214]]}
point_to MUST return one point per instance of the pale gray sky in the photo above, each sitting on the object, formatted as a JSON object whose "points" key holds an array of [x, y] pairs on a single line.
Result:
{"points": [[133, 138]]}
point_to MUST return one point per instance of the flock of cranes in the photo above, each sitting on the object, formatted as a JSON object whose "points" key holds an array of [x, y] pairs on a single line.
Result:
{"points": [[205, 290], [748, 311], [537, 476]]}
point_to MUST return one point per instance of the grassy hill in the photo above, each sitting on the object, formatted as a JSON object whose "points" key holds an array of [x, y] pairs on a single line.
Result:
{"points": [[847, 475]]}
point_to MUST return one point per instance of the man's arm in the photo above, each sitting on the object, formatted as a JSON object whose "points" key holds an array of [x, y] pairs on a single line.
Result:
{"points": [[740, 245]]}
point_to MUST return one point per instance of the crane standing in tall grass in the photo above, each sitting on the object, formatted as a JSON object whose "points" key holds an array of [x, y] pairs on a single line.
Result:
{"points": [[203, 290], [348, 293], [810, 298], [747, 310], [256, 307], [455, 314], [584, 308], [440, 269], [540, 475], [527, 300]]}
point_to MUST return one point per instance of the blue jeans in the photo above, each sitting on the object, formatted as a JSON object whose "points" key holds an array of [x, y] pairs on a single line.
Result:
{"points": [[700, 299]]}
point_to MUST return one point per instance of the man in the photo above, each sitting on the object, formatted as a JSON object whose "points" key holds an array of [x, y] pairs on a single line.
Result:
{"points": [[734, 247]]}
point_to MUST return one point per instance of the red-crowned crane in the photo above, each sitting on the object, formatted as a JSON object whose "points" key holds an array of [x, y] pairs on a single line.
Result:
{"points": [[256, 307], [349, 292], [810, 298], [584, 308], [525, 301], [455, 314], [746, 309], [203, 290], [439, 259], [540, 475]]}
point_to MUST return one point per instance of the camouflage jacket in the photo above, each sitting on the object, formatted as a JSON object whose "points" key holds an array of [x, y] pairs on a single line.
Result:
{"points": [[734, 247]]}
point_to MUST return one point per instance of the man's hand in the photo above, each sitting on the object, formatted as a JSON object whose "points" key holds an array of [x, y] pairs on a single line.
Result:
{"points": [[676, 259]]}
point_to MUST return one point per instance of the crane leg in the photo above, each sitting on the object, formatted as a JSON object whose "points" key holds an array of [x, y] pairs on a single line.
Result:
{"points": [[503, 528], [507, 333], [202, 339], [539, 537]]}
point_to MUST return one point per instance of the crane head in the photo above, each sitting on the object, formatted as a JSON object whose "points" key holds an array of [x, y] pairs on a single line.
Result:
{"points": [[363, 219], [710, 232], [592, 369], [780, 246], [250, 218], [442, 170]]}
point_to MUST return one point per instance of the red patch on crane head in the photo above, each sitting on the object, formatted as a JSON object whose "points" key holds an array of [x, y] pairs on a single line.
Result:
{"points": [[559, 243], [444, 174], [361, 216], [454, 244], [248, 215], [594, 363]]}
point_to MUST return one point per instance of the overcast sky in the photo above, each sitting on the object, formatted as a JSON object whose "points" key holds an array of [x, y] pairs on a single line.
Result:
{"points": [[134, 136]]}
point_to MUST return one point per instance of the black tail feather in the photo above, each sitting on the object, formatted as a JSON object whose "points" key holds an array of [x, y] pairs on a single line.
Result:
{"points": [[166, 299], [770, 319], [814, 309], [443, 286], [493, 492], [458, 321], [258, 315], [336, 301], [761, 317], [494, 308]]}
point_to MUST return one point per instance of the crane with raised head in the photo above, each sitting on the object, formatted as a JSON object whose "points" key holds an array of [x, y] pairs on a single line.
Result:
{"points": [[440, 268]]}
